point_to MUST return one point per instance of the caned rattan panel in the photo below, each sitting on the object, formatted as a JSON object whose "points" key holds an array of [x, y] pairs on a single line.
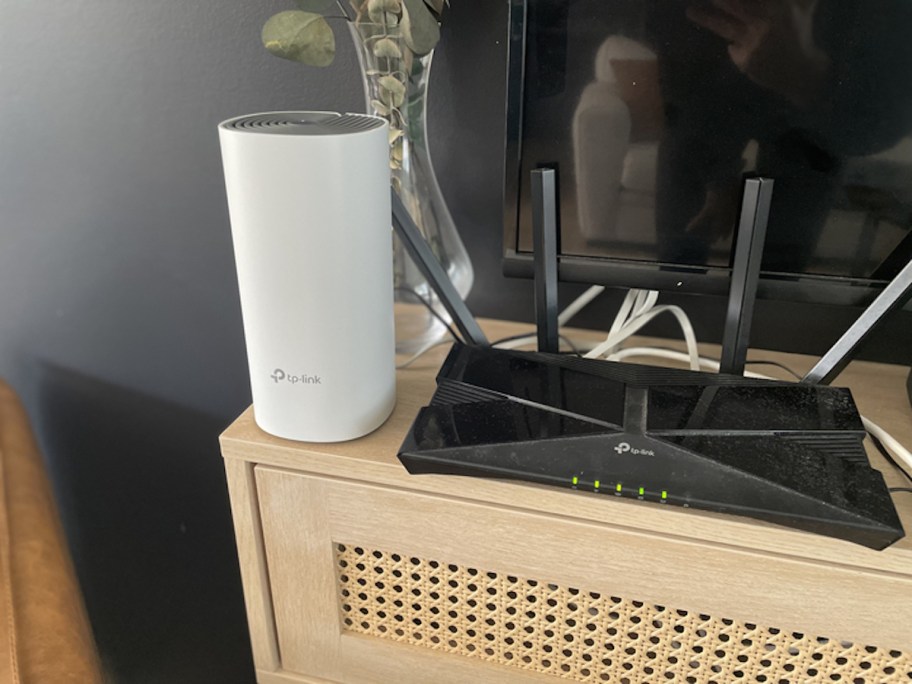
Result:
{"points": [[584, 635]]}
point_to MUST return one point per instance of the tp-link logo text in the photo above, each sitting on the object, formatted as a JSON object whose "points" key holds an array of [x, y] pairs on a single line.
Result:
{"points": [[624, 447], [278, 375]]}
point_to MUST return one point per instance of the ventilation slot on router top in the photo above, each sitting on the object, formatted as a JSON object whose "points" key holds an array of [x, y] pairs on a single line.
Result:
{"points": [[315, 124]]}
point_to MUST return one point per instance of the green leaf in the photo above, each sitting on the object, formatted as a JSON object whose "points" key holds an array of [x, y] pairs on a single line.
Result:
{"points": [[317, 6], [419, 27], [301, 37]]}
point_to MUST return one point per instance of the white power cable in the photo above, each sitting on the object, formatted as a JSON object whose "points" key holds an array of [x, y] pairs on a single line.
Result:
{"points": [[637, 322], [891, 444], [902, 455], [562, 319], [623, 314], [577, 304], [637, 309], [646, 299], [709, 364]]}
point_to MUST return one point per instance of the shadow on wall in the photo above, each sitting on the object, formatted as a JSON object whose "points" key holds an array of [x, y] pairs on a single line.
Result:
{"points": [[142, 491]]}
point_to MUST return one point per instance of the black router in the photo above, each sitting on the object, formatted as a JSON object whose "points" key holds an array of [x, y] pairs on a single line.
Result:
{"points": [[782, 452], [786, 453]]}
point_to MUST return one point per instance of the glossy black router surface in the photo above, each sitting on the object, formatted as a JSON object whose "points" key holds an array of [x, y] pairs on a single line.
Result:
{"points": [[786, 453]]}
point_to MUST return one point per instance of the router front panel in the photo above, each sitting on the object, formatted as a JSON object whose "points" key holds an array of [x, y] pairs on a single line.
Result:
{"points": [[685, 439]]}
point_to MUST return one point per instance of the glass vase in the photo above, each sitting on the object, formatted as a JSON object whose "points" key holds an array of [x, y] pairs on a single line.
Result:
{"points": [[395, 87]]}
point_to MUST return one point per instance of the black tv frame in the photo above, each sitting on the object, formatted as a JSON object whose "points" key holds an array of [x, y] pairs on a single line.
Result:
{"points": [[692, 280]]}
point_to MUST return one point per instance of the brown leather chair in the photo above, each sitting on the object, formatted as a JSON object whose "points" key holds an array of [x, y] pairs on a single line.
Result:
{"points": [[44, 632]]}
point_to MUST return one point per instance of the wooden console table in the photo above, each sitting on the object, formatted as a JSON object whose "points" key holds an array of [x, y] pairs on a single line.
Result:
{"points": [[356, 571]]}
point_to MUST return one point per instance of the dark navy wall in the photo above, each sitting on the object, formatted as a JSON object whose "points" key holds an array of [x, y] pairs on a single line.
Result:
{"points": [[119, 316]]}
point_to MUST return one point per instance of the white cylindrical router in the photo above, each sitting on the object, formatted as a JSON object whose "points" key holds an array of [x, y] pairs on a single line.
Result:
{"points": [[309, 201]]}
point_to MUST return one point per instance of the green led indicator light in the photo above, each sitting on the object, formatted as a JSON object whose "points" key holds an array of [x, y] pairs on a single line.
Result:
{"points": [[618, 488], [664, 495], [597, 483], [575, 480], [642, 491]]}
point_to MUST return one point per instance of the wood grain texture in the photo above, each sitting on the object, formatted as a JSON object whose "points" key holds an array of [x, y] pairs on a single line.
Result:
{"points": [[312, 495], [254, 576], [298, 533], [813, 598], [283, 677], [373, 459], [301, 573], [757, 587], [555, 629]]}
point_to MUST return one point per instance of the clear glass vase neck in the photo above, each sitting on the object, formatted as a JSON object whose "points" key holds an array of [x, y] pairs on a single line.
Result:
{"points": [[396, 88]]}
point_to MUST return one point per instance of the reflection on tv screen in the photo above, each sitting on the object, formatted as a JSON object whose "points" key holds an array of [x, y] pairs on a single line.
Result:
{"points": [[654, 110]]}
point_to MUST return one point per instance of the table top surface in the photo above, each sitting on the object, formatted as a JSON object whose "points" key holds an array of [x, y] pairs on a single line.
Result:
{"points": [[879, 391]]}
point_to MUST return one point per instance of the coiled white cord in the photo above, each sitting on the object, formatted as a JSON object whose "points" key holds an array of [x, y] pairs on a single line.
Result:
{"points": [[577, 304], [638, 309], [562, 319]]}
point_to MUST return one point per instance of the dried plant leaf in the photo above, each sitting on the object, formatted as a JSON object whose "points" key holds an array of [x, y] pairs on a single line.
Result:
{"points": [[394, 6], [301, 37], [392, 91], [380, 108], [394, 135], [384, 12], [386, 47], [419, 27], [408, 59]]}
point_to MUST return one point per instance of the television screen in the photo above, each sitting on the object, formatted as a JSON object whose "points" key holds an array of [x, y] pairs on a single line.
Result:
{"points": [[653, 111]]}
